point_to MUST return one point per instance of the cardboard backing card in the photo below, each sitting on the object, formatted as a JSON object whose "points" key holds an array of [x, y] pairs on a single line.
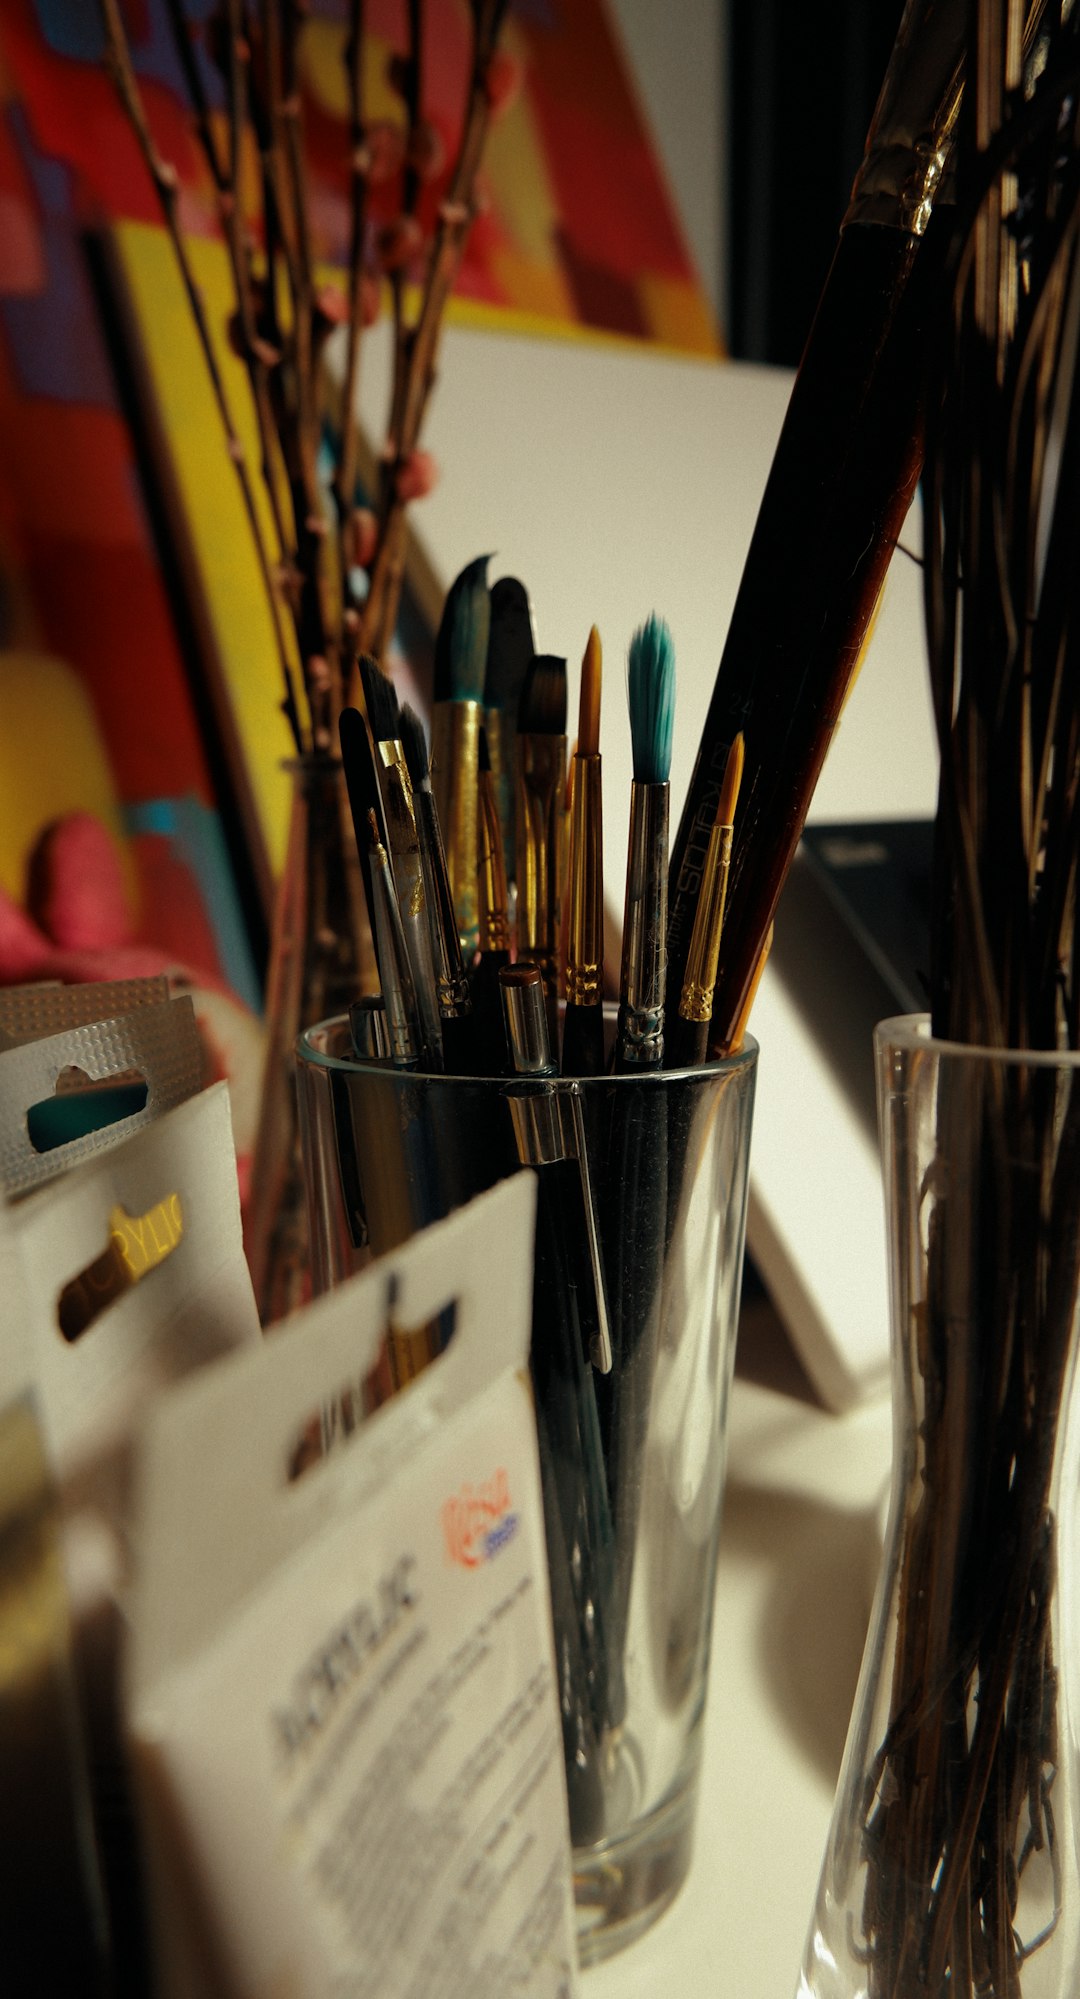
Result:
{"points": [[122, 1274], [341, 1689]]}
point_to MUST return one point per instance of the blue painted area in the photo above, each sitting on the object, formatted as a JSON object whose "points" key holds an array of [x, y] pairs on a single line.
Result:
{"points": [[53, 335], [72, 28], [195, 832]]}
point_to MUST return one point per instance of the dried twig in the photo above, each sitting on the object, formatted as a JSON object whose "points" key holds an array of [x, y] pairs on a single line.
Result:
{"points": [[960, 1797], [280, 322]]}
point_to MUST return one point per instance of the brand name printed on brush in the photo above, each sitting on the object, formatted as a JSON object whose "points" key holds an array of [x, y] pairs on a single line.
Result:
{"points": [[479, 1520]]}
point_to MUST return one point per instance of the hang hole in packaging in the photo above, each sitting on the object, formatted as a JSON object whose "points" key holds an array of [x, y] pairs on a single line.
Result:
{"points": [[81, 1105]]}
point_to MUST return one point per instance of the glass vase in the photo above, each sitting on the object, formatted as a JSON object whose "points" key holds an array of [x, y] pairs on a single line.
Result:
{"points": [[953, 1862], [320, 960]]}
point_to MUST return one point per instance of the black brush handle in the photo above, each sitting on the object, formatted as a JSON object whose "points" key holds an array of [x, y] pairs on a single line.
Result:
{"points": [[686, 1043], [635, 1239], [583, 1040]]}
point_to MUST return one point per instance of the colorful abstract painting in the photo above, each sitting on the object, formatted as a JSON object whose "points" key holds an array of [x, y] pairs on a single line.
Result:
{"points": [[577, 238]]}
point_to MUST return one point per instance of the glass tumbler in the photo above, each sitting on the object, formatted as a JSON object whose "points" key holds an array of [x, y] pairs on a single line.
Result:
{"points": [[641, 1212]]}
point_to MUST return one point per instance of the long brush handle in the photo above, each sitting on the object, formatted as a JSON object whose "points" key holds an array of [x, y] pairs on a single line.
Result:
{"points": [[640, 1041]]}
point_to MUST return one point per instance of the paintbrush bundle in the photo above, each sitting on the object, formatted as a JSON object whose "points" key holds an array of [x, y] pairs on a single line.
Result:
{"points": [[484, 870], [489, 850]]}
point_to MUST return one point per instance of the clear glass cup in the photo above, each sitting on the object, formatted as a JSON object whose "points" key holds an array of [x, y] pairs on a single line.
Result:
{"points": [[643, 1251], [952, 1865]]}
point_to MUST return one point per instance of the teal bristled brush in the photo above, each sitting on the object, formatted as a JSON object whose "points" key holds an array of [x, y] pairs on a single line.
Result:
{"points": [[651, 694]]}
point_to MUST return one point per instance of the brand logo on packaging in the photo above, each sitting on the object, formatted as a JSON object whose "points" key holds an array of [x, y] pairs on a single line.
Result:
{"points": [[479, 1520]]}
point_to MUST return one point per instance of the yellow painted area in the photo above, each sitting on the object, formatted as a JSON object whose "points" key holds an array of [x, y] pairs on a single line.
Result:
{"points": [[53, 761], [677, 314], [515, 168], [535, 325], [539, 286], [321, 63], [236, 598]]}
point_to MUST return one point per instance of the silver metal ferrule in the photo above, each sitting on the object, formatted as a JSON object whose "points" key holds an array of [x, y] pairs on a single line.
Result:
{"points": [[395, 972], [526, 1021]]}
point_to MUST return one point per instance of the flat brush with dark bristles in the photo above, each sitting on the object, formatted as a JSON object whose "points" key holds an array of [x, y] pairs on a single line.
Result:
{"points": [[451, 981], [404, 846], [583, 1026], [381, 702], [461, 647], [541, 786], [511, 649], [651, 694]]}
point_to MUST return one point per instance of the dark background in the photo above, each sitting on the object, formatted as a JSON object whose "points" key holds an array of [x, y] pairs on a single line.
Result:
{"points": [[803, 80]]}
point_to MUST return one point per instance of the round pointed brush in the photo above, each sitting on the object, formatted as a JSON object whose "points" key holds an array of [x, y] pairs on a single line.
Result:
{"points": [[583, 1027]]}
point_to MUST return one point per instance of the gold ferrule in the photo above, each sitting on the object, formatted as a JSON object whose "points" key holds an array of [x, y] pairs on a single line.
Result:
{"points": [[696, 998], [491, 873], [907, 150], [501, 736], [402, 838], [391, 755], [455, 768], [644, 957], [541, 781], [451, 978], [585, 934]]}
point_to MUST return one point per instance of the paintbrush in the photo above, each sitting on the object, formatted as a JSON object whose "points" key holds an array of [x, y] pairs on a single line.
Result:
{"points": [[688, 1039], [569, 1313], [362, 785], [842, 478], [541, 781], [494, 949], [461, 647], [651, 693], [395, 972], [451, 980], [403, 846], [636, 1197], [583, 1025], [511, 647]]}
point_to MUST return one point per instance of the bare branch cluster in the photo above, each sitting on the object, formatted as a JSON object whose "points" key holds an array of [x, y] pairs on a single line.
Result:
{"points": [[335, 568]]}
